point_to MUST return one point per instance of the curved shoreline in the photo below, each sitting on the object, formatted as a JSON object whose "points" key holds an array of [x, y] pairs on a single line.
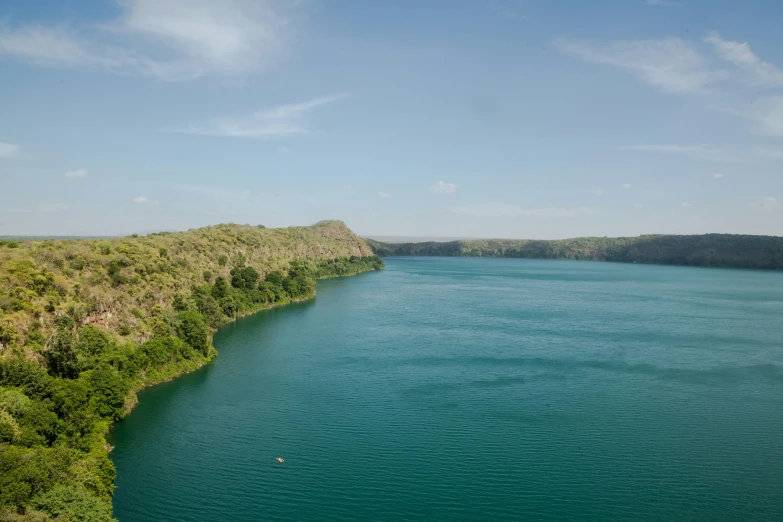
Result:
{"points": [[132, 399]]}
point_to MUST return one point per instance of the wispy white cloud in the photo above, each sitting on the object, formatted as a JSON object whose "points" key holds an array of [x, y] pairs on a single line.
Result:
{"points": [[765, 114], [284, 150], [384, 195], [76, 174], [727, 154], [685, 204], [167, 39], [739, 53], [768, 153], [718, 175], [140, 200], [506, 210], [638, 205], [597, 192], [9, 150], [671, 65], [626, 185], [441, 187], [698, 151], [58, 47], [278, 121], [52, 207], [732, 71], [767, 203], [213, 191]]}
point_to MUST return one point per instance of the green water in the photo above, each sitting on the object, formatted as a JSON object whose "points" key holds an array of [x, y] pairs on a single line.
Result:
{"points": [[478, 389]]}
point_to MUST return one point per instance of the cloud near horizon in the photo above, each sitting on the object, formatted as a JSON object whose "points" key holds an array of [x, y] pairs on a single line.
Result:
{"points": [[441, 187], [767, 203], [703, 152], [9, 150], [497, 209], [52, 207], [214, 191], [76, 174]]}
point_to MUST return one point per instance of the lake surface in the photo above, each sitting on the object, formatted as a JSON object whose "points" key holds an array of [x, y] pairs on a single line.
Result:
{"points": [[477, 389]]}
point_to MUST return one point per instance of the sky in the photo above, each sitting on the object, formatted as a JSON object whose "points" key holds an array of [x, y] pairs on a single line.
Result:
{"points": [[458, 118]]}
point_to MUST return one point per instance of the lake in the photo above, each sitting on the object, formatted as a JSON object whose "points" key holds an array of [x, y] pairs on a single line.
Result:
{"points": [[477, 389]]}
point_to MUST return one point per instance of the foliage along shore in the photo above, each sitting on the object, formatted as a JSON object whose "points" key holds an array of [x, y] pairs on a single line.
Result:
{"points": [[85, 324], [707, 250]]}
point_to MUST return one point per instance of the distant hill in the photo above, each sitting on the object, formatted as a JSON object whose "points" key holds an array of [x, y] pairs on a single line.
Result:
{"points": [[414, 239], [43, 237], [710, 250]]}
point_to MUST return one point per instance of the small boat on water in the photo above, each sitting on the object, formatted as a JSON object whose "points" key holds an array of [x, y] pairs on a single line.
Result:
{"points": [[280, 460]]}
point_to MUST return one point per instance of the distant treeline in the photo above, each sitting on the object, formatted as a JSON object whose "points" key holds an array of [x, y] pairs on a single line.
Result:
{"points": [[709, 250]]}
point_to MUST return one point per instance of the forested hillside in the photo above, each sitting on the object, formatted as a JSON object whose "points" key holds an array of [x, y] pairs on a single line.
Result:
{"points": [[84, 324], [712, 250]]}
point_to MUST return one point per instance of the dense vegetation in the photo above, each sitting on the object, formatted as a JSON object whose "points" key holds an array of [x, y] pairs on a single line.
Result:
{"points": [[85, 324], [713, 250]]}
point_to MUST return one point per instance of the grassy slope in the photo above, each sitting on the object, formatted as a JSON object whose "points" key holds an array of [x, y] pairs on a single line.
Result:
{"points": [[107, 304], [717, 250], [43, 279]]}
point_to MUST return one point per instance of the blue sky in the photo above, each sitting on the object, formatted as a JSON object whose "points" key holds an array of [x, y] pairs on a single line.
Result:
{"points": [[497, 118]]}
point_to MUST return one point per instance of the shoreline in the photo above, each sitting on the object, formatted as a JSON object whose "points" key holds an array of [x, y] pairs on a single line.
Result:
{"points": [[86, 325], [132, 400]]}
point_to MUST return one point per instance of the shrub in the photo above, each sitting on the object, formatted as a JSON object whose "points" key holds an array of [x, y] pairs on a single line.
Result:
{"points": [[77, 263], [70, 503]]}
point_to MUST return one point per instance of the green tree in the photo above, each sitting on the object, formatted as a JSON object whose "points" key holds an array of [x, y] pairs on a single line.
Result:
{"points": [[194, 331], [91, 340], [220, 288], [108, 392], [244, 277], [228, 305], [60, 355]]}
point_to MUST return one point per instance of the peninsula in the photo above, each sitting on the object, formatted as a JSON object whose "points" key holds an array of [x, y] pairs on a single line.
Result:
{"points": [[85, 324]]}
